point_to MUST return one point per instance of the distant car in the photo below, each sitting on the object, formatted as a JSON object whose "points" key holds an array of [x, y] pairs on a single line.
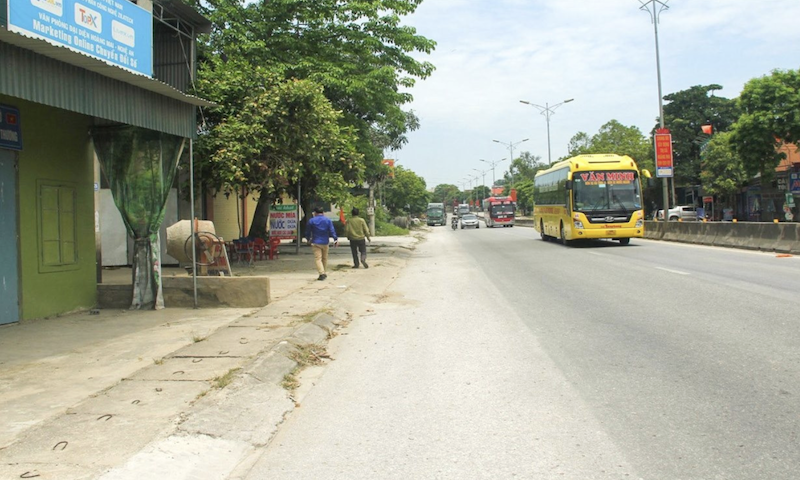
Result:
{"points": [[683, 212], [469, 220]]}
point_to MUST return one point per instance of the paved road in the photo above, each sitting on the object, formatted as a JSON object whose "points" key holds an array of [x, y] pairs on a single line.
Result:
{"points": [[502, 356]]}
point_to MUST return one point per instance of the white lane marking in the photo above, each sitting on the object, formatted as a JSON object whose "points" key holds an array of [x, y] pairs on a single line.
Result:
{"points": [[677, 272]]}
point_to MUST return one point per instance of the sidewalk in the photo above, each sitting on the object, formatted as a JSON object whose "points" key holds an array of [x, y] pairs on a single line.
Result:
{"points": [[175, 393]]}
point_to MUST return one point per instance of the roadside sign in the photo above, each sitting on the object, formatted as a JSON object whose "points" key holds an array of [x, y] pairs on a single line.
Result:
{"points": [[10, 128], [794, 183], [283, 221], [708, 199], [663, 145]]}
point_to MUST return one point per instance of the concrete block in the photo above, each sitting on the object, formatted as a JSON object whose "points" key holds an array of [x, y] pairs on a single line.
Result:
{"points": [[212, 292]]}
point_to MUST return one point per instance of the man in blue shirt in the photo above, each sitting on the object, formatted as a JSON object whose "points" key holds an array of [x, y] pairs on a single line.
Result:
{"points": [[318, 230]]}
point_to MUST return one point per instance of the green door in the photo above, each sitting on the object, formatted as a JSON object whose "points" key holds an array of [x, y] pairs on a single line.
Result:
{"points": [[9, 272]]}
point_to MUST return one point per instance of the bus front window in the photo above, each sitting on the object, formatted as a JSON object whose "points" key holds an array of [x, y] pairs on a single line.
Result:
{"points": [[606, 191]]}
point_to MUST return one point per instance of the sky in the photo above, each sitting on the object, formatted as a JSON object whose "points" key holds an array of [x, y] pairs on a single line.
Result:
{"points": [[491, 54]]}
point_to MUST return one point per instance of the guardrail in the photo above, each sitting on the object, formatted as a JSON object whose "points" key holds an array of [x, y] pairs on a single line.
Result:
{"points": [[763, 236]]}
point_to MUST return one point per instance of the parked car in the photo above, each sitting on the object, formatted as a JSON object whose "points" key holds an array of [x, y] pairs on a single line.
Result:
{"points": [[683, 212], [469, 220]]}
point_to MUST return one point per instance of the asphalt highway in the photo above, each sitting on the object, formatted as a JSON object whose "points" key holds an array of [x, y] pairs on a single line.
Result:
{"points": [[499, 355]]}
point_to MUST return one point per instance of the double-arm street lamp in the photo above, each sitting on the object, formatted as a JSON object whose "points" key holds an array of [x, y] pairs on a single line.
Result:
{"points": [[547, 110], [511, 146], [493, 164]]}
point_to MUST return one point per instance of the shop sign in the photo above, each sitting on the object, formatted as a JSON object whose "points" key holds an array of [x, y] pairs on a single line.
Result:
{"points": [[283, 222], [10, 128], [663, 142], [794, 183], [783, 184], [117, 32]]}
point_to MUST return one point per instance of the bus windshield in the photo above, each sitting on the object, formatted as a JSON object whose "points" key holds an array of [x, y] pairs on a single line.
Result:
{"points": [[606, 190], [501, 209]]}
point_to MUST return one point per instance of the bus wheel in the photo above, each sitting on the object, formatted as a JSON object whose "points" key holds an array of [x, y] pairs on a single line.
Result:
{"points": [[541, 230], [624, 241], [564, 240]]}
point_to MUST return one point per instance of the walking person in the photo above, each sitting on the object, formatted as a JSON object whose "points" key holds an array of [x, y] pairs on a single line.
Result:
{"points": [[357, 232], [318, 231]]}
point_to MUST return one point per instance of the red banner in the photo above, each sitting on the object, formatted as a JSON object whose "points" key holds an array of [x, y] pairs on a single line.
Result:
{"points": [[663, 141]]}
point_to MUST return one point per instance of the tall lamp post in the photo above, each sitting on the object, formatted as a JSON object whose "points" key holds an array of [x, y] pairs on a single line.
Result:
{"points": [[493, 164], [483, 173], [547, 111], [511, 146], [654, 8]]}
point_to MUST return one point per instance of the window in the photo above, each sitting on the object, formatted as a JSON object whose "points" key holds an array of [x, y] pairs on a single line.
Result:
{"points": [[57, 227]]}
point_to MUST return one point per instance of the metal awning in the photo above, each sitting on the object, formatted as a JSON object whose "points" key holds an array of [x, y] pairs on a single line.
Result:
{"points": [[66, 55]]}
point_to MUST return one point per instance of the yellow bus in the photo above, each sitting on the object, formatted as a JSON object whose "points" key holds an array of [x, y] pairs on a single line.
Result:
{"points": [[590, 197]]}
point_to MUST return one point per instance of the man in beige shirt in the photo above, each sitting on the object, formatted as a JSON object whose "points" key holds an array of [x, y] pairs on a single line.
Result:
{"points": [[357, 232]]}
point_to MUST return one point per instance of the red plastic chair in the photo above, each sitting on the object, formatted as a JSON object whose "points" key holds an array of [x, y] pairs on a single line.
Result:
{"points": [[274, 243], [259, 248]]}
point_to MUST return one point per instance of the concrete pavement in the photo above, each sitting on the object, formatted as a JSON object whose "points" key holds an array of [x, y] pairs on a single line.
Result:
{"points": [[176, 393]]}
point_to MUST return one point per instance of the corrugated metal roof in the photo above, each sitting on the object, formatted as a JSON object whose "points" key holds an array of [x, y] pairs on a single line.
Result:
{"points": [[66, 55]]}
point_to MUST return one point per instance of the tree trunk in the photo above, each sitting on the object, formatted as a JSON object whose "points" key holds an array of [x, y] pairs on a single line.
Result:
{"points": [[258, 227]]}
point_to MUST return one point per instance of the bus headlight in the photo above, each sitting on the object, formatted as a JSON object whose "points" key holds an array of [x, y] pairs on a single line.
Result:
{"points": [[578, 224], [639, 223]]}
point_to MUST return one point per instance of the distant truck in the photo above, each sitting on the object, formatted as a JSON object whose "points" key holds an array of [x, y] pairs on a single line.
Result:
{"points": [[462, 209], [436, 215]]}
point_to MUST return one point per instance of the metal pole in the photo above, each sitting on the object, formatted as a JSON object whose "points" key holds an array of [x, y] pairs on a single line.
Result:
{"points": [[547, 120], [191, 213], [299, 191], [654, 17]]}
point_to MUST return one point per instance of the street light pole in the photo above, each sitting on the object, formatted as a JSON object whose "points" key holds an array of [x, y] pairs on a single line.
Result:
{"points": [[547, 110], [511, 146], [493, 164], [655, 12]]}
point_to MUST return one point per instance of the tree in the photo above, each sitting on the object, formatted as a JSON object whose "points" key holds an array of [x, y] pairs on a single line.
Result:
{"points": [[684, 114], [406, 193], [357, 51], [525, 167], [613, 137], [723, 171], [445, 193], [769, 119], [274, 136]]}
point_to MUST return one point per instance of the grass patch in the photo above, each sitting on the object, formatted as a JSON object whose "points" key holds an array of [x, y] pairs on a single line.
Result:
{"points": [[389, 230], [198, 338], [309, 317], [290, 381], [159, 361], [225, 380], [309, 354]]}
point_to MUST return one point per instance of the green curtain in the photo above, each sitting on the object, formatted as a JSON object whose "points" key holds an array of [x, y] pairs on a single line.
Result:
{"points": [[140, 167]]}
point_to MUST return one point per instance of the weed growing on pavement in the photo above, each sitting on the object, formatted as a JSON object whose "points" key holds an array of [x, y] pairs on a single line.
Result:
{"points": [[197, 338], [225, 380], [309, 354], [290, 381], [159, 361], [309, 317]]}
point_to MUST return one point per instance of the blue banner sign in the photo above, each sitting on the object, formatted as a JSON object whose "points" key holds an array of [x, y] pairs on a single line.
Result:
{"points": [[115, 31], [10, 128], [794, 183]]}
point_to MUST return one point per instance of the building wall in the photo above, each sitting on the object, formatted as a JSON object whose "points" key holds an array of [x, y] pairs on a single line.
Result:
{"points": [[56, 152]]}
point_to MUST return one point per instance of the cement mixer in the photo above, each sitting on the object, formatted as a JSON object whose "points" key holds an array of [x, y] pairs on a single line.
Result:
{"points": [[211, 257]]}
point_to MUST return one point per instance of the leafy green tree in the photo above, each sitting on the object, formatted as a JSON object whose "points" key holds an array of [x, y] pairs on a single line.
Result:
{"points": [[357, 51], [280, 133], [613, 137], [406, 193], [770, 118], [445, 193], [684, 115], [525, 167], [723, 171]]}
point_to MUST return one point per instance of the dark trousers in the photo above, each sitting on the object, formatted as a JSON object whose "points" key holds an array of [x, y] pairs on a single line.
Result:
{"points": [[357, 246]]}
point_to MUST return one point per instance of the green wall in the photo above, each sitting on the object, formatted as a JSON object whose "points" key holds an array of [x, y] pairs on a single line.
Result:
{"points": [[56, 150]]}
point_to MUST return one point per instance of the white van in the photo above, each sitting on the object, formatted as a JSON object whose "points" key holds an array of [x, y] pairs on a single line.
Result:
{"points": [[462, 209]]}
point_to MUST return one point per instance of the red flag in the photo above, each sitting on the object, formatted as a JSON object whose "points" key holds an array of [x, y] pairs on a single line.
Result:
{"points": [[707, 129], [341, 217]]}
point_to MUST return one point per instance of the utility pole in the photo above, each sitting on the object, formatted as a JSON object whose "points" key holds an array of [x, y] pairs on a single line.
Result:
{"points": [[654, 8], [547, 110], [511, 146], [493, 164]]}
